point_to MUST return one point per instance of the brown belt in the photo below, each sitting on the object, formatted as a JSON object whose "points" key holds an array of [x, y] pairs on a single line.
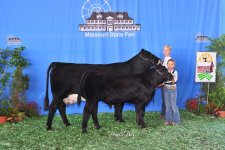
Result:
{"points": [[171, 87]]}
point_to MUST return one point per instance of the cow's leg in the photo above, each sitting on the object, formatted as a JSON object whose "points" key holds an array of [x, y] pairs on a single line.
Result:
{"points": [[62, 111], [118, 112], [137, 116], [140, 112], [86, 116], [51, 113], [143, 125], [95, 115]]}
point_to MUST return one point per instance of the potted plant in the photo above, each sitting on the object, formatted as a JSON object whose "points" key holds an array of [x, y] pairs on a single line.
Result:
{"points": [[32, 109], [20, 83], [12, 64], [192, 105], [218, 98], [4, 111], [210, 108], [221, 113], [15, 115], [216, 91]]}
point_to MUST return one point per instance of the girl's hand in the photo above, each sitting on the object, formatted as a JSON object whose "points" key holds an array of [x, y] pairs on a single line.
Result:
{"points": [[173, 81], [173, 87], [160, 85]]}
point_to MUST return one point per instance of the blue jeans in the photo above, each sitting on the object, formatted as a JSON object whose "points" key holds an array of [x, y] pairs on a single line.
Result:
{"points": [[172, 112], [163, 102]]}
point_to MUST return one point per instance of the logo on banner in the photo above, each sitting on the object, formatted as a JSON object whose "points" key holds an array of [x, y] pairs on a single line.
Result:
{"points": [[205, 67], [13, 40], [199, 37], [100, 21]]}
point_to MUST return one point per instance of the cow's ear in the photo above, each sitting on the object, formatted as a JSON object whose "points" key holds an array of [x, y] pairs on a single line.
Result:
{"points": [[160, 62]]}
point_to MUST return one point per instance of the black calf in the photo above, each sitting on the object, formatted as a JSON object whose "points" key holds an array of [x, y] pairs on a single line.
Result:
{"points": [[115, 90]]}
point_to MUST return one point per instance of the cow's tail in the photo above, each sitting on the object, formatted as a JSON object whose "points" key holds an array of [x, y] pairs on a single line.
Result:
{"points": [[81, 86], [46, 101]]}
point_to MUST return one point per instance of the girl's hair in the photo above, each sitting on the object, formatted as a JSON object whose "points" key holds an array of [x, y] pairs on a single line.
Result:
{"points": [[171, 61], [167, 46]]}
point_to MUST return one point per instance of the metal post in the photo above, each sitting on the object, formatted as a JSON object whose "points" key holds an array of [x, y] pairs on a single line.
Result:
{"points": [[199, 96], [208, 94]]}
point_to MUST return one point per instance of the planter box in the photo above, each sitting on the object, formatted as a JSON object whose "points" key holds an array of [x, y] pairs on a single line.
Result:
{"points": [[3, 119], [221, 114]]}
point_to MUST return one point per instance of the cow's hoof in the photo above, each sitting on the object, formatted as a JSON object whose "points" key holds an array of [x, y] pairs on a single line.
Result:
{"points": [[68, 124], [84, 130], [49, 129], [143, 126], [121, 120], [98, 127], [116, 119]]}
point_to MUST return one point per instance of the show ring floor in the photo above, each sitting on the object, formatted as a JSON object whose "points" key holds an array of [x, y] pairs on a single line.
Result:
{"points": [[194, 132]]}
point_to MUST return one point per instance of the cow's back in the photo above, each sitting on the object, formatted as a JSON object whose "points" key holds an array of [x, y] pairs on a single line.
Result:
{"points": [[65, 77]]}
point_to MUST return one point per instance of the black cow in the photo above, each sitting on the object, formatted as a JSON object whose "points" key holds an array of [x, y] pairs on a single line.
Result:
{"points": [[115, 89], [65, 79]]}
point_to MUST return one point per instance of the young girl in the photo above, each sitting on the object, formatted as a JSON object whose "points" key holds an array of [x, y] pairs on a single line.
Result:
{"points": [[172, 115]]}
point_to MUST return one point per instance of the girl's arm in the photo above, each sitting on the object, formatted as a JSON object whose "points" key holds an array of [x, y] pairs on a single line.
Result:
{"points": [[160, 85]]}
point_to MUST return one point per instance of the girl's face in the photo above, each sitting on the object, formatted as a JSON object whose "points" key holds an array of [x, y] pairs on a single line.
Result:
{"points": [[166, 51], [170, 65]]}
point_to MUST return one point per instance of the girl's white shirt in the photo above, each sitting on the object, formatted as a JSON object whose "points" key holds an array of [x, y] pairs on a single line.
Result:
{"points": [[166, 60]]}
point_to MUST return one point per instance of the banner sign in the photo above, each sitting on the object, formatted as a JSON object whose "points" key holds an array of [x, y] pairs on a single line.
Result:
{"points": [[109, 31], [101, 22], [205, 67]]}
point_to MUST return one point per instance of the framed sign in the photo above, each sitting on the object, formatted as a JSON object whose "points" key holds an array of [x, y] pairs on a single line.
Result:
{"points": [[205, 67]]}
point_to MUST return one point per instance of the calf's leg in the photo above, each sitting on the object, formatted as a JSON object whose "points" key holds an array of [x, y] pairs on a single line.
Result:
{"points": [[143, 125], [140, 112], [118, 112], [86, 115]]}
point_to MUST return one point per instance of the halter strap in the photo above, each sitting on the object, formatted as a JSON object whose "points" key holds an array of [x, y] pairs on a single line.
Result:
{"points": [[142, 57], [153, 67]]}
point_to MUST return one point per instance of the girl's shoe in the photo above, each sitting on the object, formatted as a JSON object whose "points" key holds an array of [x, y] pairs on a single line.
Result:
{"points": [[174, 123], [167, 123]]}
